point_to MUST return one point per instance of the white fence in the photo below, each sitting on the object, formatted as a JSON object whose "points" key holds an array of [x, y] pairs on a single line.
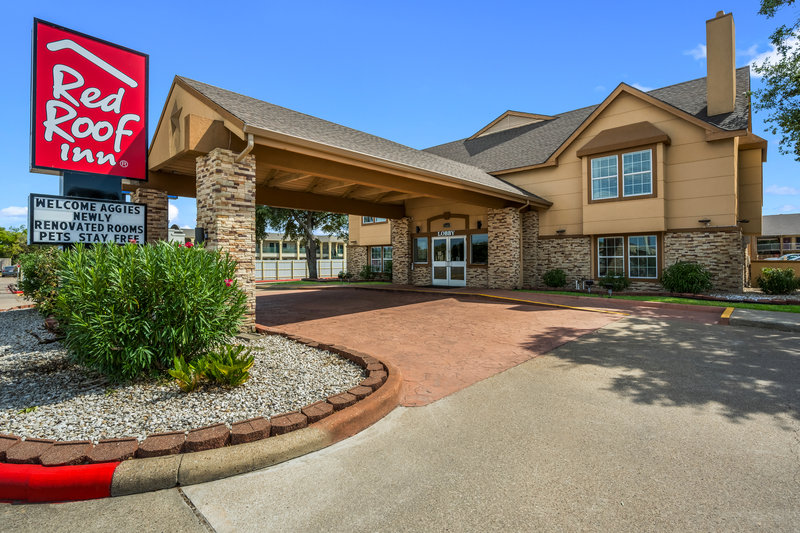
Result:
{"points": [[270, 270]]}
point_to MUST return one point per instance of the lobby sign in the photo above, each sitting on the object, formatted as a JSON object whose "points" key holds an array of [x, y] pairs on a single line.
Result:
{"points": [[69, 220], [88, 105]]}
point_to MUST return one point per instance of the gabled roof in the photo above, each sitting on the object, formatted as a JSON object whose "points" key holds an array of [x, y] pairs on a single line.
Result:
{"points": [[534, 144], [518, 117], [260, 115]]}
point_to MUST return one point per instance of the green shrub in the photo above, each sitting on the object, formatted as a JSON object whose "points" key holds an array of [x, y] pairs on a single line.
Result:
{"points": [[228, 366], [187, 375], [778, 281], [39, 282], [555, 278], [687, 277], [367, 272], [130, 310], [345, 276], [617, 283]]}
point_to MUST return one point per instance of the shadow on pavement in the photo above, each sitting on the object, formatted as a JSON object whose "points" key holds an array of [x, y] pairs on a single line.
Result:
{"points": [[746, 371]]}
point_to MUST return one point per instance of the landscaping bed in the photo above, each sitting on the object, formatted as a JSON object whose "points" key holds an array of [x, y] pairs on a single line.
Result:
{"points": [[44, 395]]}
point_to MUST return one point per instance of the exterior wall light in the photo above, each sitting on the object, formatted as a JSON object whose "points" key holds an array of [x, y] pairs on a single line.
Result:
{"points": [[705, 221], [561, 231], [417, 229], [743, 221], [480, 224], [446, 225]]}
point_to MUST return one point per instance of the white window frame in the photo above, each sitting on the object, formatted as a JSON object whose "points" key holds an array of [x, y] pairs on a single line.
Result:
{"points": [[623, 256], [624, 175], [593, 179], [372, 220], [629, 257]]}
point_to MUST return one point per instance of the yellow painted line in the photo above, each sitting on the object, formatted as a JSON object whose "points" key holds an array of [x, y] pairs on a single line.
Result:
{"points": [[546, 304], [727, 312]]}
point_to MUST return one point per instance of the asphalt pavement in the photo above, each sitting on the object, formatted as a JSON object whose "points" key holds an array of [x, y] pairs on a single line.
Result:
{"points": [[643, 425]]}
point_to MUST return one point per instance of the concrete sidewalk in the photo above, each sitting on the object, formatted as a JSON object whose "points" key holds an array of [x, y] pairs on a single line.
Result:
{"points": [[642, 425], [766, 319]]}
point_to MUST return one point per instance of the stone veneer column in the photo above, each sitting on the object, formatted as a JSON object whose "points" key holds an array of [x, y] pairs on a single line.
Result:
{"points": [[504, 229], [226, 210], [157, 212], [356, 258], [530, 247], [401, 251]]}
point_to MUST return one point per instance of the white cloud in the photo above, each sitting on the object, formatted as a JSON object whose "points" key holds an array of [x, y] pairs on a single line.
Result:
{"points": [[769, 57], [186, 227], [643, 88], [783, 191], [750, 52], [600, 88], [789, 209], [698, 52], [14, 211], [172, 212]]}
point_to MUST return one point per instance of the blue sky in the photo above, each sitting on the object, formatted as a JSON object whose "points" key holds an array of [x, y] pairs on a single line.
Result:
{"points": [[418, 73]]}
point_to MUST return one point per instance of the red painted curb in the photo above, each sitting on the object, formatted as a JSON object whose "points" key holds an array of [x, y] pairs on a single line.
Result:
{"points": [[36, 483]]}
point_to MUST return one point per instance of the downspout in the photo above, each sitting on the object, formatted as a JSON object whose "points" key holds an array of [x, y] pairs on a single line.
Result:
{"points": [[521, 253], [247, 149]]}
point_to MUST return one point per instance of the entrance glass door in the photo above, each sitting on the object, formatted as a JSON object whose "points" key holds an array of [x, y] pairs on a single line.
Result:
{"points": [[450, 261]]}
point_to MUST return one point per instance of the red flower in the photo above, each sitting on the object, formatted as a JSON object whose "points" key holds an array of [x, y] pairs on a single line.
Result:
{"points": [[228, 282], [189, 244]]}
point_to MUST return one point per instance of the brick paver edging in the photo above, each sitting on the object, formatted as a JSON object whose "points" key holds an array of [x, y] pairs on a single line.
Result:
{"points": [[18, 307], [46, 470]]}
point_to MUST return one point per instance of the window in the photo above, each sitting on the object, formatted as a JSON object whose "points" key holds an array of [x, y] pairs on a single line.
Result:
{"points": [[610, 256], [635, 179], [271, 247], [372, 220], [337, 251], [289, 247], [380, 258], [479, 248], [604, 177], [637, 175], [768, 246], [420, 249], [642, 257]]}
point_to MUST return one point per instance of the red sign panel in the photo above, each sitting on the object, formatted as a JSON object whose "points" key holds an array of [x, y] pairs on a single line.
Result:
{"points": [[89, 105]]}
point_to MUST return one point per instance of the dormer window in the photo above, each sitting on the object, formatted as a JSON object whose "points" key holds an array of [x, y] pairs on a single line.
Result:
{"points": [[635, 180]]}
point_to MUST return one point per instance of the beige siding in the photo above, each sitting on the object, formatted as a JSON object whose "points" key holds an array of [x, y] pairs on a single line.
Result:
{"points": [[696, 179], [421, 209], [750, 190], [369, 234]]}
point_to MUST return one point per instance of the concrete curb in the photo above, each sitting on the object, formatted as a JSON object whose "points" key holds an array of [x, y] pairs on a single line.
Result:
{"points": [[788, 322], [33, 482], [156, 473]]}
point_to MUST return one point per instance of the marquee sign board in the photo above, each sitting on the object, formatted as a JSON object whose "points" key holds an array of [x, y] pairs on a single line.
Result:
{"points": [[88, 105], [69, 220]]}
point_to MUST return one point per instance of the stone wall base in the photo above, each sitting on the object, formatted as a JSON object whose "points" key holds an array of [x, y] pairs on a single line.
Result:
{"points": [[722, 252], [357, 258], [571, 254]]}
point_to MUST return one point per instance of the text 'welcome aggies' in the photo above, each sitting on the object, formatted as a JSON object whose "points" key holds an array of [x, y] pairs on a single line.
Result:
{"points": [[89, 105], [62, 220]]}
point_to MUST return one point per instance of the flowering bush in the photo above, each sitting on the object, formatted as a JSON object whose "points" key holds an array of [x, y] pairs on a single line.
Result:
{"points": [[131, 310]]}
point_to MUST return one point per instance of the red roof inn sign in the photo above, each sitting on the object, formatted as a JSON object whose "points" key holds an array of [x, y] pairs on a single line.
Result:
{"points": [[89, 105]]}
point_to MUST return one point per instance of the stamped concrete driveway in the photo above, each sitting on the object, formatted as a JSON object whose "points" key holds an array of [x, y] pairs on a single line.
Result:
{"points": [[642, 425], [441, 344]]}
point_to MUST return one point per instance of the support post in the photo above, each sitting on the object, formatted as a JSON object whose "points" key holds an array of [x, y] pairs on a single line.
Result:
{"points": [[226, 208], [401, 251], [157, 212], [505, 229]]}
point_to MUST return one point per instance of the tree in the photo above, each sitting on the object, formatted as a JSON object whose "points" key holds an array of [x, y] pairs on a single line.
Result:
{"points": [[781, 77], [13, 242], [296, 224]]}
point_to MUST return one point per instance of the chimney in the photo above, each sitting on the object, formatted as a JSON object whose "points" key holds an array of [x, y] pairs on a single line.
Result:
{"points": [[721, 63]]}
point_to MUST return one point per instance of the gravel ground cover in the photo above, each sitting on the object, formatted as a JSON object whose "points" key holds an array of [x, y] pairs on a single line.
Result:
{"points": [[44, 395]]}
